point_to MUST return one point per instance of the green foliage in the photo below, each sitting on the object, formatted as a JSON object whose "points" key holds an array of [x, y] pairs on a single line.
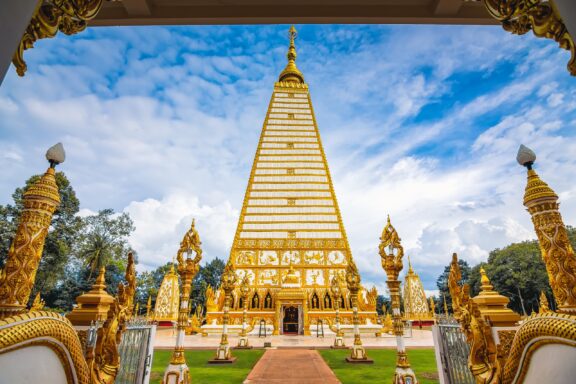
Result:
{"points": [[516, 271], [422, 361], [71, 244], [104, 239], [202, 372]]}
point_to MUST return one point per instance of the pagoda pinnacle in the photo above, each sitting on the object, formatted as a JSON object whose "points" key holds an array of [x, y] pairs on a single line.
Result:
{"points": [[291, 73]]}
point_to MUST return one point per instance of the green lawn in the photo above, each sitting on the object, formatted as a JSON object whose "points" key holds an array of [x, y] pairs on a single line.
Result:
{"points": [[422, 361], [203, 373]]}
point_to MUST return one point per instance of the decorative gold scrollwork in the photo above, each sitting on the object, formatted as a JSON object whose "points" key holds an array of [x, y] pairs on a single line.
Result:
{"points": [[51, 16], [104, 360], [483, 359], [542, 17]]}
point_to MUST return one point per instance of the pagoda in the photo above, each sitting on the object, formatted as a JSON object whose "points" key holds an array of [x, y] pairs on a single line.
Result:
{"points": [[168, 299], [290, 241], [415, 302]]}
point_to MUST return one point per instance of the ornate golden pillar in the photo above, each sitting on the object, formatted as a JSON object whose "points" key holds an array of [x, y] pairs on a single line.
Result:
{"points": [[40, 202], [358, 353], [177, 371], [542, 17], [244, 291], [337, 294], [391, 253], [557, 253], [223, 354]]}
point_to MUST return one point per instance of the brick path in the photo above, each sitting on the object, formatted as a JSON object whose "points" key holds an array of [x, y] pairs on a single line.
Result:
{"points": [[291, 366]]}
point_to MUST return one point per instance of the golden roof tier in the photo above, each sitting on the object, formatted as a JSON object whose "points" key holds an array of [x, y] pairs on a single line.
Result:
{"points": [[168, 299], [92, 306], [290, 235], [415, 302], [493, 306]]}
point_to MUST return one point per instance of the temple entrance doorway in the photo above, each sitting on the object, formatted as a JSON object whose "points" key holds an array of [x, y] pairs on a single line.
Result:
{"points": [[291, 320]]}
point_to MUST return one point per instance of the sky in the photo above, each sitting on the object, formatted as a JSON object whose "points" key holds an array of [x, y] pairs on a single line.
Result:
{"points": [[421, 123]]}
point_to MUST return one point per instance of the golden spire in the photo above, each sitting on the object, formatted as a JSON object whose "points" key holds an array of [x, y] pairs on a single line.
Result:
{"points": [[492, 305], [445, 305], [557, 253], [486, 286], [544, 306], [291, 73], [410, 270]]}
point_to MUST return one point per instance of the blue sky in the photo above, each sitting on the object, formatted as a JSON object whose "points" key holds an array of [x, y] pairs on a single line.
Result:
{"points": [[419, 122]]}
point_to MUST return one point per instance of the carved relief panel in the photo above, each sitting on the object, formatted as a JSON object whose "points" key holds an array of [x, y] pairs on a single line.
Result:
{"points": [[336, 258], [314, 257], [245, 258], [268, 276], [290, 257], [315, 277], [268, 258]]}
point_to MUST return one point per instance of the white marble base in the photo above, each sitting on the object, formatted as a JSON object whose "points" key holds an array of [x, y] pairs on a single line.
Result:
{"points": [[176, 374]]}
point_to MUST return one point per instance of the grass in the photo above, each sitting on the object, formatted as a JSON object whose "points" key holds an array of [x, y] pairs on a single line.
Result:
{"points": [[203, 373], [422, 360], [423, 363]]}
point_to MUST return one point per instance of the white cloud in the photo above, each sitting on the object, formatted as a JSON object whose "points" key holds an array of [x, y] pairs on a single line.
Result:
{"points": [[421, 123], [161, 224]]}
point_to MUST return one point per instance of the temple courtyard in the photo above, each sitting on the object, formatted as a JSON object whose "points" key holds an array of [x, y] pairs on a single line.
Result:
{"points": [[299, 365]]}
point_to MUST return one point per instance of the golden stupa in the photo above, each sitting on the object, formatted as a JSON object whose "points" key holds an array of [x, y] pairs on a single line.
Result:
{"points": [[168, 299], [415, 302], [290, 241]]}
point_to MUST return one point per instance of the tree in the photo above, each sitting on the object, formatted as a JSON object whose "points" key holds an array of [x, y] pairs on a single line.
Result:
{"points": [[210, 274], [442, 281], [104, 240], [518, 272]]}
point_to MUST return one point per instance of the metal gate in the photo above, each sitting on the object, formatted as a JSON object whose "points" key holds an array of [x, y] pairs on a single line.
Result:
{"points": [[453, 350], [136, 349]]}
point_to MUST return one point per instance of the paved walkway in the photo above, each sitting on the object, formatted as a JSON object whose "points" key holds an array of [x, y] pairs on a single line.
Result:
{"points": [[291, 366], [165, 339]]}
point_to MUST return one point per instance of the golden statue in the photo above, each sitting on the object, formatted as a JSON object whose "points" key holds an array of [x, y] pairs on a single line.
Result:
{"points": [[38, 303], [104, 361]]}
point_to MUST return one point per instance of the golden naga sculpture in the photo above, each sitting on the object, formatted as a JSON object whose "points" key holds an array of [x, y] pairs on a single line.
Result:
{"points": [[104, 360], [40, 201], [483, 360], [51, 16], [542, 17], [557, 253], [37, 304]]}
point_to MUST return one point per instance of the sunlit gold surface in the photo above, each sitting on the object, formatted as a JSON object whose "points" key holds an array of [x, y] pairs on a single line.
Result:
{"points": [[483, 359], [415, 303], [188, 267], [290, 229], [93, 306], [19, 273], [47, 329], [168, 298], [104, 360], [542, 17], [391, 252], [557, 252], [493, 306], [51, 16]]}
